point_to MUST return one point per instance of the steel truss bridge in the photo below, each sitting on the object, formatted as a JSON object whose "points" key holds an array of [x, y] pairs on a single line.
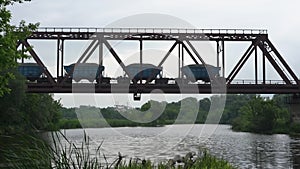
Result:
{"points": [[182, 38]]}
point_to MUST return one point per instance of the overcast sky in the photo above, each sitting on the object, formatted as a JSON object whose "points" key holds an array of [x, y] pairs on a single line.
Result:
{"points": [[281, 18]]}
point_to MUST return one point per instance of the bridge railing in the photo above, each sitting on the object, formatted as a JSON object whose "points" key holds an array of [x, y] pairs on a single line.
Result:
{"points": [[240, 81], [153, 30]]}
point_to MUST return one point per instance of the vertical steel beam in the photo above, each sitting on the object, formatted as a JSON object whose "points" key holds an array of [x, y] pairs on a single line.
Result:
{"points": [[62, 57], [179, 53], [255, 65], [264, 67], [218, 54], [223, 58], [182, 56], [100, 38], [58, 57], [141, 58]]}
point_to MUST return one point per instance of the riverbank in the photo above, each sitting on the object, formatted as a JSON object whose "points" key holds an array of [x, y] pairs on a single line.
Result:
{"points": [[291, 129], [249, 113]]}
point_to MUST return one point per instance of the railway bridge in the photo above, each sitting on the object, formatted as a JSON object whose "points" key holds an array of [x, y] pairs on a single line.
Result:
{"points": [[182, 38], [260, 49]]}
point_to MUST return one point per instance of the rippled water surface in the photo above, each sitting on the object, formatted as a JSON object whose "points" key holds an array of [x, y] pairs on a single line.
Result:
{"points": [[244, 150]]}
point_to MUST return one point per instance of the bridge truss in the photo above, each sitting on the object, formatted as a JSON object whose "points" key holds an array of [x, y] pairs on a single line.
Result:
{"points": [[182, 38]]}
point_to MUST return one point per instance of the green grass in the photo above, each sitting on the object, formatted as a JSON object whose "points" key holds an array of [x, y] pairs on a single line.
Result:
{"points": [[33, 152]]}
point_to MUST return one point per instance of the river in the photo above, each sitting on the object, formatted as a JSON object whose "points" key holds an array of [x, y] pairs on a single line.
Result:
{"points": [[244, 150]]}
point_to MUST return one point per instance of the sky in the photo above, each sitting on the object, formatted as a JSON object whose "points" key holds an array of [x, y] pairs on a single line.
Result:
{"points": [[280, 18]]}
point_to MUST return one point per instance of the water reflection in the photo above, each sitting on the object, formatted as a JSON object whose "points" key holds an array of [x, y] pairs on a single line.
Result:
{"points": [[295, 150], [244, 150]]}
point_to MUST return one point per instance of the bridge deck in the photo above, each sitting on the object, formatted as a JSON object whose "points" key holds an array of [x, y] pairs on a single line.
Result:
{"points": [[170, 88]]}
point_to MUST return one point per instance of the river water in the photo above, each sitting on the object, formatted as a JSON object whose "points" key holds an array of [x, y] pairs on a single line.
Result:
{"points": [[244, 150]]}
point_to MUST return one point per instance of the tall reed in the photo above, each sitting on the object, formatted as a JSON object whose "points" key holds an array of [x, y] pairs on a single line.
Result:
{"points": [[60, 153]]}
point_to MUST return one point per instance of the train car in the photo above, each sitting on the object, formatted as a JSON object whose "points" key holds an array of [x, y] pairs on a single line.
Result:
{"points": [[88, 71], [32, 71], [143, 72], [200, 72]]}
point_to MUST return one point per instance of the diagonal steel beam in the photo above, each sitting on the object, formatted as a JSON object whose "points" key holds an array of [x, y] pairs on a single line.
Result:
{"points": [[273, 62], [168, 54], [115, 55], [240, 64], [39, 62], [190, 53], [195, 51], [91, 52], [283, 61], [86, 51]]}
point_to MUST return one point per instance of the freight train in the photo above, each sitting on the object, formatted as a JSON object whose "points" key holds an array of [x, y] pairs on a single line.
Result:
{"points": [[31, 71], [197, 72], [88, 71], [136, 72]]}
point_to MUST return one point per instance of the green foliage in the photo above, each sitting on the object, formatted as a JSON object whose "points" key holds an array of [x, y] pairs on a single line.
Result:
{"points": [[9, 36], [25, 112], [41, 111], [295, 128], [261, 115], [233, 105], [11, 117], [245, 112]]}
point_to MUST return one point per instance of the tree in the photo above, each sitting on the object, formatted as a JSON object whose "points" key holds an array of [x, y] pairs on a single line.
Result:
{"points": [[11, 117], [41, 112], [261, 115], [9, 37]]}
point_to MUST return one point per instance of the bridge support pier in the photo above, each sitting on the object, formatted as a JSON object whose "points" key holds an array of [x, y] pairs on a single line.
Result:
{"points": [[295, 108]]}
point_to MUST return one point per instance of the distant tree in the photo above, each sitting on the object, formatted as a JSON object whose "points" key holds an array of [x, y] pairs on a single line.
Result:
{"points": [[9, 36]]}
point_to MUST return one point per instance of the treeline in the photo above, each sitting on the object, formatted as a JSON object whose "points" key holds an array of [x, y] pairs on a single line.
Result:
{"points": [[22, 112], [245, 112]]}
